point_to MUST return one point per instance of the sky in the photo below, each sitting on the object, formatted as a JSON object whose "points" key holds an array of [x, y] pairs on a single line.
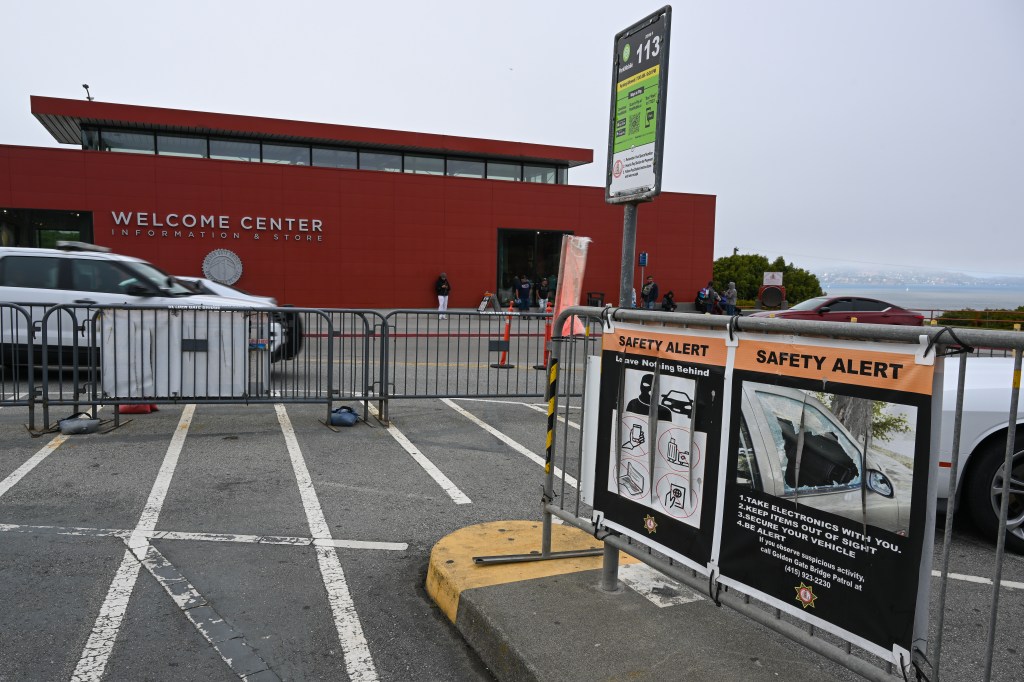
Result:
{"points": [[868, 134]]}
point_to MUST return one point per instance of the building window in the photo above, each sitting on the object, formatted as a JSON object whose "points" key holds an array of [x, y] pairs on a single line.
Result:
{"points": [[380, 161], [327, 157], [90, 139], [335, 158], [424, 165], [543, 174], [178, 145], [464, 168], [235, 150], [290, 154], [497, 170], [131, 143]]}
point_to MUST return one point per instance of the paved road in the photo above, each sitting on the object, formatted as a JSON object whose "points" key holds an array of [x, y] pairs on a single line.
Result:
{"points": [[178, 547]]}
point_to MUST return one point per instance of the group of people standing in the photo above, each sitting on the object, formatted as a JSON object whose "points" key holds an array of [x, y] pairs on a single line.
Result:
{"points": [[522, 287], [708, 300]]}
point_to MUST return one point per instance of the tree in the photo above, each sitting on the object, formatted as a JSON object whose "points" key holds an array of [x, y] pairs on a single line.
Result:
{"points": [[855, 412], [747, 270]]}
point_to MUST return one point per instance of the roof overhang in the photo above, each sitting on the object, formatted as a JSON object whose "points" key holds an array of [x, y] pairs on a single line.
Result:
{"points": [[65, 118]]}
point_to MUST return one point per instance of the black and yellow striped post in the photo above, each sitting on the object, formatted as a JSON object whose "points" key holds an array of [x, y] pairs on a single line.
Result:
{"points": [[549, 448], [548, 496]]}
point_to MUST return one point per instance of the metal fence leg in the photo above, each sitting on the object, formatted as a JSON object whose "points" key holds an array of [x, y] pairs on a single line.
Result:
{"points": [[610, 570]]}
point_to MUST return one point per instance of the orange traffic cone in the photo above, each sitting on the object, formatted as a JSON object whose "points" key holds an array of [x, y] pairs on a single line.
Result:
{"points": [[503, 362]]}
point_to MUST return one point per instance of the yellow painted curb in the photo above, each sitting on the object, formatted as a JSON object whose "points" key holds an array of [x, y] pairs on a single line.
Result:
{"points": [[451, 561]]}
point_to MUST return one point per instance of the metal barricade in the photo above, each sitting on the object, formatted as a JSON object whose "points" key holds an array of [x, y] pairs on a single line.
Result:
{"points": [[17, 378], [135, 355], [132, 355], [428, 354], [562, 499]]}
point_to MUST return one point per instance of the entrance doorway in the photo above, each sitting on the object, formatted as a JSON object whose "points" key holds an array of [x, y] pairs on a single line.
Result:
{"points": [[43, 228], [533, 253]]}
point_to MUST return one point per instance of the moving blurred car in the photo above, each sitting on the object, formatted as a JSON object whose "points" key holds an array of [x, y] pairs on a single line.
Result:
{"points": [[829, 473], [209, 287], [83, 277], [983, 435], [845, 308], [286, 326]]}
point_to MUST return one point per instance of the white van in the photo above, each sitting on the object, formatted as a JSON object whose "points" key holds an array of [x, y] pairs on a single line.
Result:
{"points": [[78, 274]]}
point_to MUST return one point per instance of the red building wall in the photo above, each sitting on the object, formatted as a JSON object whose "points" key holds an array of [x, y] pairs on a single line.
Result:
{"points": [[384, 238]]}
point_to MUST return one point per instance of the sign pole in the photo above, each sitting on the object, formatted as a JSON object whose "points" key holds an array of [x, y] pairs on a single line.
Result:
{"points": [[636, 128], [628, 252]]}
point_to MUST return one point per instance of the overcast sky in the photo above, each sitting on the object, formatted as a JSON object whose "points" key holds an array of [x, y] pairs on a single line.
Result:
{"points": [[864, 133]]}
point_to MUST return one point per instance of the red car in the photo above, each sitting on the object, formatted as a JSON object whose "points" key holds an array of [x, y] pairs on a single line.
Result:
{"points": [[844, 308]]}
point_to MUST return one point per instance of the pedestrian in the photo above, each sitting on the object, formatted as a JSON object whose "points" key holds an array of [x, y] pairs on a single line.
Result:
{"points": [[649, 293], [730, 299], [443, 288], [523, 292], [710, 297], [668, 303], [543, 290]]}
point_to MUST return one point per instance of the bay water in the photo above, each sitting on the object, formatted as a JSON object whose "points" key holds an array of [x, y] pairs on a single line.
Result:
{"points": [[936, 297]]}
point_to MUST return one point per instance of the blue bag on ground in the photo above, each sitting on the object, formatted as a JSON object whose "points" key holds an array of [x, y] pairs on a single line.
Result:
{"points": [[344, 416]]}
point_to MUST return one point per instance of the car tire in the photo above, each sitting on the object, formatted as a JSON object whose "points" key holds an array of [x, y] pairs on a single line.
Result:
{"points": [[984, 493]]}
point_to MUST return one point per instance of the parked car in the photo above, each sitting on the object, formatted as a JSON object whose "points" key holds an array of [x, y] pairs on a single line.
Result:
{"points": [[209, 287], [86, 275], [844, 309], [290, 323], [983, 446], [831, 467]]}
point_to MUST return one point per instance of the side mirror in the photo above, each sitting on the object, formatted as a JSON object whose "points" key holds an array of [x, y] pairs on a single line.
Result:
{"points": [[879, 483], [138, 290], [824, 309]]}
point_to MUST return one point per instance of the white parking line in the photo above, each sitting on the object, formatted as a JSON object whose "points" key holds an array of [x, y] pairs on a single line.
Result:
{"points": [[104, 632], [522, 449], [206, 537], [544, 410], [1011, 584], [33, 461], [358, 661], [536, 407], [453, 491]]}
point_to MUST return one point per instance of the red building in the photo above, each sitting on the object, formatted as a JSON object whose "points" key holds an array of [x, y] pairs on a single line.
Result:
{"points": [[330, 215]]}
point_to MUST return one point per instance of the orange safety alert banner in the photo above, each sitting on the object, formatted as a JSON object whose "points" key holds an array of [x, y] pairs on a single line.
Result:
{"points": [[670, 346], [825, 510], [658, 437], [871, 368]]}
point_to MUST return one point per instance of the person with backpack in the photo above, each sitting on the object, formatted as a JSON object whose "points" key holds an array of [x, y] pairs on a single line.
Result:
{"points": [[649, 293], [707, 298]]}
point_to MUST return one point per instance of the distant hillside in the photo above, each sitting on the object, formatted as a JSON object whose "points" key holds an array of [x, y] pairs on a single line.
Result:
{"points": [[849, 277]]}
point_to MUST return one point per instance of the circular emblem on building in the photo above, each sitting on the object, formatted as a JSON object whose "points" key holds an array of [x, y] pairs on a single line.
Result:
{"points": [[222, 265]]}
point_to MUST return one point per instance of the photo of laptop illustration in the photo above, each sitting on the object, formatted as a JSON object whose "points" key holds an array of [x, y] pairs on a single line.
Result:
{"points": [[633, 480]]}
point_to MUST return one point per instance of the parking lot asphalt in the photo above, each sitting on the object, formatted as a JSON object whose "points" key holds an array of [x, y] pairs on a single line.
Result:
{"points": [[225, 542]]}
